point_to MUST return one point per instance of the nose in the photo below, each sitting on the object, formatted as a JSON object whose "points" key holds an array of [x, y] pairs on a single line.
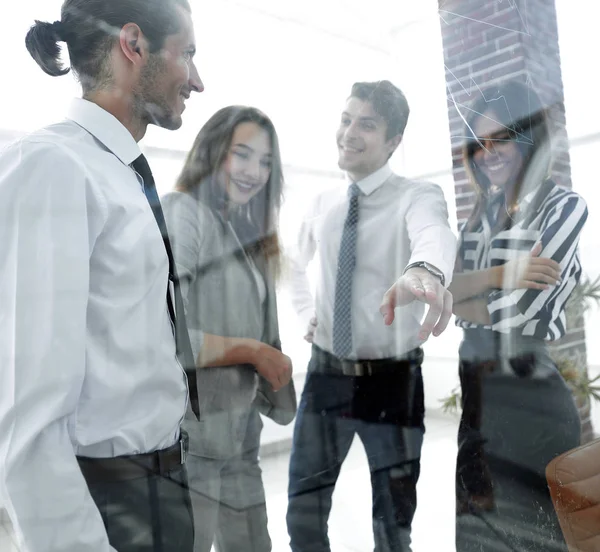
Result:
{"points": [[492, 149], [252, 170], [195, 82], [488, 148], [350, 132]]}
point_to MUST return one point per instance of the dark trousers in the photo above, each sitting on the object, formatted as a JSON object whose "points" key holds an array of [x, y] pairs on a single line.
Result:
{"points": [[151, 513], [386, 411], [518, 414]]}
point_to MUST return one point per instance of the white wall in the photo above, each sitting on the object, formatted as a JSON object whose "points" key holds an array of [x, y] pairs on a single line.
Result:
{"points": [[577, 27]]}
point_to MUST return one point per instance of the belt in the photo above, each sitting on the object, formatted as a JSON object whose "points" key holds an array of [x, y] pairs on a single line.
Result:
{"points": [[330, 364], [122, 468]]}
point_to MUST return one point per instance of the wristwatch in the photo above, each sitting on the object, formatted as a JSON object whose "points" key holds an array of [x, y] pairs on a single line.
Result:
{"points": [[429, 268]]}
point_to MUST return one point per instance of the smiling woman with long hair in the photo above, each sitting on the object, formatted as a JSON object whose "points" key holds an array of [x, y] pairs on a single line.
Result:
{"points": [[222, 220], [517, 264]]}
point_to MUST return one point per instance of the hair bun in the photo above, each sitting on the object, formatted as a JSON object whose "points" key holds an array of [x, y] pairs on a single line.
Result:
{"points": [[42, 43], [58, 27]]}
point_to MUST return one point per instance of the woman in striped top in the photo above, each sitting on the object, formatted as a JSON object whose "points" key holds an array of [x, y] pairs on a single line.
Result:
{"points": [[516, 267]]}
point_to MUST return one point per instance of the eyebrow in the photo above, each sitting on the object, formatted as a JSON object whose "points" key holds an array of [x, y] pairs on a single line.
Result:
{"points": [[369, 119], [494, 136], [245, 146]]}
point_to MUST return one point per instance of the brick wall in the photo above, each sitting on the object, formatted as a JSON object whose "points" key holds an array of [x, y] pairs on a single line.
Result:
{"points": [[486, 42]]}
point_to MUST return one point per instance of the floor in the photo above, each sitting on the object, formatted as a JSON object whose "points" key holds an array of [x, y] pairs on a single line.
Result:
{"points": [[350, 522], [350, 528]]}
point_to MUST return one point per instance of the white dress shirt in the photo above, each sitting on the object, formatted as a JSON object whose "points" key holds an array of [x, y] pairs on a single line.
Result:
{"points": [[400, 222], [87, 353]]}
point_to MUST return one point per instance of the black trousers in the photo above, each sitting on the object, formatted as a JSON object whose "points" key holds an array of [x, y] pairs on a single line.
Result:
{"points": [[152, 513], [518, 414], [386, 411]]}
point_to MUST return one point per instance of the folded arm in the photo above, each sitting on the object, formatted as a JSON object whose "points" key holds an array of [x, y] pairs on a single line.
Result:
{"points": [[560, 233], [530, 271], [516, 291]]}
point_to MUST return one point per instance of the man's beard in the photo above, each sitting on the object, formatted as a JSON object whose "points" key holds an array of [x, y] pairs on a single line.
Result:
{"points": [[149, 104]]}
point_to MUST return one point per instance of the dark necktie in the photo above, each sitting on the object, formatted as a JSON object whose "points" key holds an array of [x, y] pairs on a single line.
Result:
{"points": [[342, 311], [177, 312]]}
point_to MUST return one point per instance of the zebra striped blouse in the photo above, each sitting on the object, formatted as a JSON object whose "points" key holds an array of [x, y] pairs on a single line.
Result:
{"points": [[556, 219]]}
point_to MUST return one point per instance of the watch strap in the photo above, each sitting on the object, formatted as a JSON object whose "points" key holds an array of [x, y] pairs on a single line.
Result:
{"points": [[431, 269]]}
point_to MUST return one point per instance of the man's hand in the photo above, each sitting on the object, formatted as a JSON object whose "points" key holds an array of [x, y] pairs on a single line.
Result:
{"points": [[273, 365], [530, 271], [420, 285], [310, 331]]}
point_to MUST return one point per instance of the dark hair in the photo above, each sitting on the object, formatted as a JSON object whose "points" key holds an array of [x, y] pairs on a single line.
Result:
{"points": [[90, 27], [256, 226], [388, 101], [518, 108]]}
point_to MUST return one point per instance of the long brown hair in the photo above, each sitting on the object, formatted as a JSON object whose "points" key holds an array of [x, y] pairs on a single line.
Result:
{"points": [[518, 108], [255, 223]]}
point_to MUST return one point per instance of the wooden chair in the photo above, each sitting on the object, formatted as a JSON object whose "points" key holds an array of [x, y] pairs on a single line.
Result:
{"points": [[574, 482]]}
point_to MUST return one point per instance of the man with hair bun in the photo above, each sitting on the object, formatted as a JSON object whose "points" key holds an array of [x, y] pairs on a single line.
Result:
{"points": [[94, 349]]}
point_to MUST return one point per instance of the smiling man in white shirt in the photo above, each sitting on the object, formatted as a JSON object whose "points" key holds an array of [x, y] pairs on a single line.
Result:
{"points": [[92, 394], [364, 376]]}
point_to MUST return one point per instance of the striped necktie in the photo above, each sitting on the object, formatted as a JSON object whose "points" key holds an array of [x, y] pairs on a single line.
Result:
{"points": [[342, 310]]}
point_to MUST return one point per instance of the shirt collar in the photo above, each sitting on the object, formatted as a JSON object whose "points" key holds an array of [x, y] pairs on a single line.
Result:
{"points": [[527, 198], [106, 128], [370, 183], [528, 195]]}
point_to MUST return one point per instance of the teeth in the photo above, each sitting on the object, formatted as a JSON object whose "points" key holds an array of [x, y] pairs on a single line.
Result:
{"points": [[495, 167], [243, 185]]}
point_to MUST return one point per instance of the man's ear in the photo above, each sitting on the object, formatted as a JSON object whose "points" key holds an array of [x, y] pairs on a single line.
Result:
{"points": [[132, 43]]}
